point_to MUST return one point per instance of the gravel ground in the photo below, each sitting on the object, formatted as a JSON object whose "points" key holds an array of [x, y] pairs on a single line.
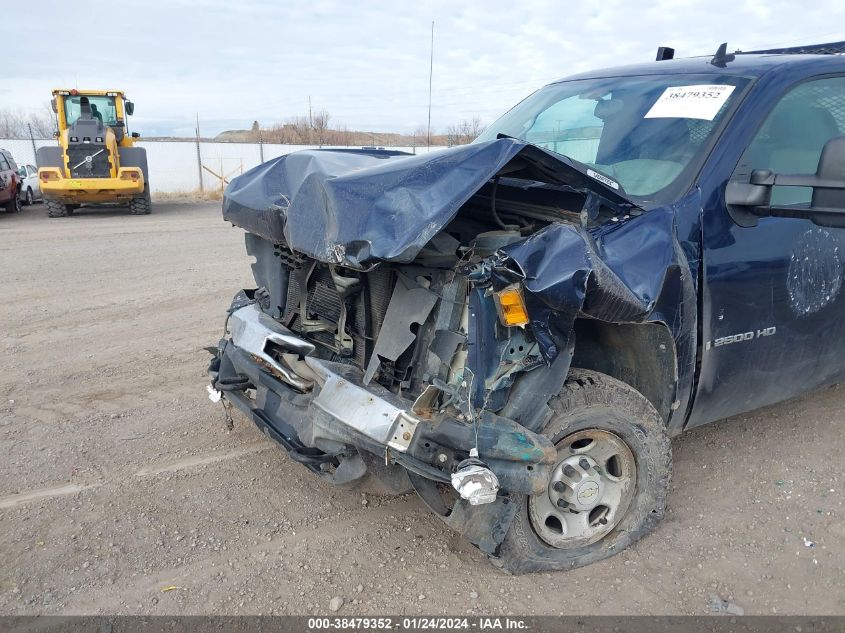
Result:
{"points": [[122, 492]]}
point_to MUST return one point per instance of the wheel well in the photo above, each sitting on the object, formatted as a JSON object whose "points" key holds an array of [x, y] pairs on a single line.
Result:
{"points": [[641, 355]]}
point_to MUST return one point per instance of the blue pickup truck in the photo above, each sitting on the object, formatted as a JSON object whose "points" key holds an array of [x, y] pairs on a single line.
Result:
{"points": [[515, 328]]}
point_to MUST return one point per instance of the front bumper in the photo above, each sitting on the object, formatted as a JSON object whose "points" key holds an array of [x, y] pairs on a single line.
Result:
{"points": [[128, 184], [324, 415], [316, 406]]}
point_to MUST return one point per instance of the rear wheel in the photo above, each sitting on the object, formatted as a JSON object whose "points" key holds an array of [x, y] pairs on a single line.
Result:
{"points": [[14, 204], [56, 209], [609, 486], [142, 204]]}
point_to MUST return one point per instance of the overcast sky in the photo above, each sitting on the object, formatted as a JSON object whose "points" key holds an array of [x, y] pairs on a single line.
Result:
{"points": [[366, 63]]}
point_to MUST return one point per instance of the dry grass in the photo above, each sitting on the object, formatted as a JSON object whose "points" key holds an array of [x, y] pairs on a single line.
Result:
{"points": [[187, 195]]}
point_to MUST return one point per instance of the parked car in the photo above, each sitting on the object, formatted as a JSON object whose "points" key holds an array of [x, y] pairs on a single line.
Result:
{"points": [[30, 191], [9, 183], [515, 328]]}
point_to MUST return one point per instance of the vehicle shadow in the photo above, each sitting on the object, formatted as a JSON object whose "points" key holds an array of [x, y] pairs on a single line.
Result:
{"points": [[159, 209]]}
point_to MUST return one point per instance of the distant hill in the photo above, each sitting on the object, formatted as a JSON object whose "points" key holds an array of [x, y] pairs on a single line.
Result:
{"points": [[230, 136]]}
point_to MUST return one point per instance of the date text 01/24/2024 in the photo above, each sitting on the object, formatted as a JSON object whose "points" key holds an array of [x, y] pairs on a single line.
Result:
{"points": [[419, 623]]}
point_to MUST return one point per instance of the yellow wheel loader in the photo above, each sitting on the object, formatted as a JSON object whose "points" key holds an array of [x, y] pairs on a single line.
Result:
{"points": [[96, 161]]}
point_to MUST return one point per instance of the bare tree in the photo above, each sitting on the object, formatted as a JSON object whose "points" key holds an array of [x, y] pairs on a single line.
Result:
{"points": [[464, 132], [317, 129], [17, 124], [44, 122], [321, 125], [294, 131], [341, 136], [299, 130], [11, 124], [476, 127]]}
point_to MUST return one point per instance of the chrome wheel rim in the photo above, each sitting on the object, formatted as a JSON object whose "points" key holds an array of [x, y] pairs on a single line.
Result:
{"points": [[589, 491]]}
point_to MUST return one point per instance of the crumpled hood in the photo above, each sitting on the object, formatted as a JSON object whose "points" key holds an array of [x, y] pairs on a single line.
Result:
{"points": [[354, 207]]}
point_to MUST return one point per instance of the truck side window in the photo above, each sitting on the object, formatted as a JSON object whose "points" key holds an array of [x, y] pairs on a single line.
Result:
{"points": [[791, 139]]}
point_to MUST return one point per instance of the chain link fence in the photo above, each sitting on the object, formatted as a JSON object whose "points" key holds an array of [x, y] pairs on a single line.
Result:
{"points": [[177, 167]]}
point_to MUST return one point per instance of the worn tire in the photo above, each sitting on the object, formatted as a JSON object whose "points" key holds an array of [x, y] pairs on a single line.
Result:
{"points": [[56, 209], [14, 205], [141, 205], [590, 400]]}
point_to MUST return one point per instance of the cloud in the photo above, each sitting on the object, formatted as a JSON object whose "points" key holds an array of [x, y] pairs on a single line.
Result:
{"points": [[366, 62]]}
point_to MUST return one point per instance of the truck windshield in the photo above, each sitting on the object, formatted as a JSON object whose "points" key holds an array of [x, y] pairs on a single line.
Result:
{"points": [[102, 108], [648, 133]]}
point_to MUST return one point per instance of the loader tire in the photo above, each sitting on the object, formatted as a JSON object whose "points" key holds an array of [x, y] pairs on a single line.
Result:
{"points": [[142, 204], [609, 487], [56, 209]]}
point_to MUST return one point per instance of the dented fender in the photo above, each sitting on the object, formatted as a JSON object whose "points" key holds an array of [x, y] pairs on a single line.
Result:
{"points": [[633, 270]]}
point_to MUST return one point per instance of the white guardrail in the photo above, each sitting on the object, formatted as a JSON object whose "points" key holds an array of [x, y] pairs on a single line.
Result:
{"points": [[173, 164]]}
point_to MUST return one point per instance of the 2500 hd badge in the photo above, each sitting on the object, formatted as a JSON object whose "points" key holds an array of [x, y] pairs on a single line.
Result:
{"points": [[740, 338]]}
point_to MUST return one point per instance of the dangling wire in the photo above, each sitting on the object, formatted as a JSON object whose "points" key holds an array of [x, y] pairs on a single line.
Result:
{"points": [[472, 414]]}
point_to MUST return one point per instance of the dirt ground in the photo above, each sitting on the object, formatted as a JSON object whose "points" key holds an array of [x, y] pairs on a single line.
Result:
{"points": [[122, 492]]}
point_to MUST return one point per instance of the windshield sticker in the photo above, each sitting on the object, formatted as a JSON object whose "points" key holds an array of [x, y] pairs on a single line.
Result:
{"points": [[690, 102], [602, 178]]}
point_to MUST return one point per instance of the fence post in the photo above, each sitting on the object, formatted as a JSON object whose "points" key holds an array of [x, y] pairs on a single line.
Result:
{"points": [[32, 139], [199, 156], [260, 146]]}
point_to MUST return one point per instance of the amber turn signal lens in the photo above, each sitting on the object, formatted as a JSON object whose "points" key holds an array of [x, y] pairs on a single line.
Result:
{"points": [[511, 306]]}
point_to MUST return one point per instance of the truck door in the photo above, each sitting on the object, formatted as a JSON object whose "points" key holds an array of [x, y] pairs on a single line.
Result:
{"points": [[773, 311]]}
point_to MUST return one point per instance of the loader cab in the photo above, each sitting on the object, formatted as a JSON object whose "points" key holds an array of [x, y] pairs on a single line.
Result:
{"points": [[111, 109], [103, 108]]}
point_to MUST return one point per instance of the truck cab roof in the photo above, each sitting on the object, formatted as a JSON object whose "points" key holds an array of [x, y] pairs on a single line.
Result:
{"points": [[743, 64]]}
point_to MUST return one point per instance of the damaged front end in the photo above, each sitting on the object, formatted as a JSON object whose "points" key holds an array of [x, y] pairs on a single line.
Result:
{"points": [[378, 382], [412, 317]]}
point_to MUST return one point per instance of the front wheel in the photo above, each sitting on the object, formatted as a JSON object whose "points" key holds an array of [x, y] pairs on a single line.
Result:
{"points": [[142, 204], [28, 198], [609, 486], [56, 209]]}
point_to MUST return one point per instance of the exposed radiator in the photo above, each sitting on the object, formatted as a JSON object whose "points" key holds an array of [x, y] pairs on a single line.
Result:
{"points": [[366, 309]]}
